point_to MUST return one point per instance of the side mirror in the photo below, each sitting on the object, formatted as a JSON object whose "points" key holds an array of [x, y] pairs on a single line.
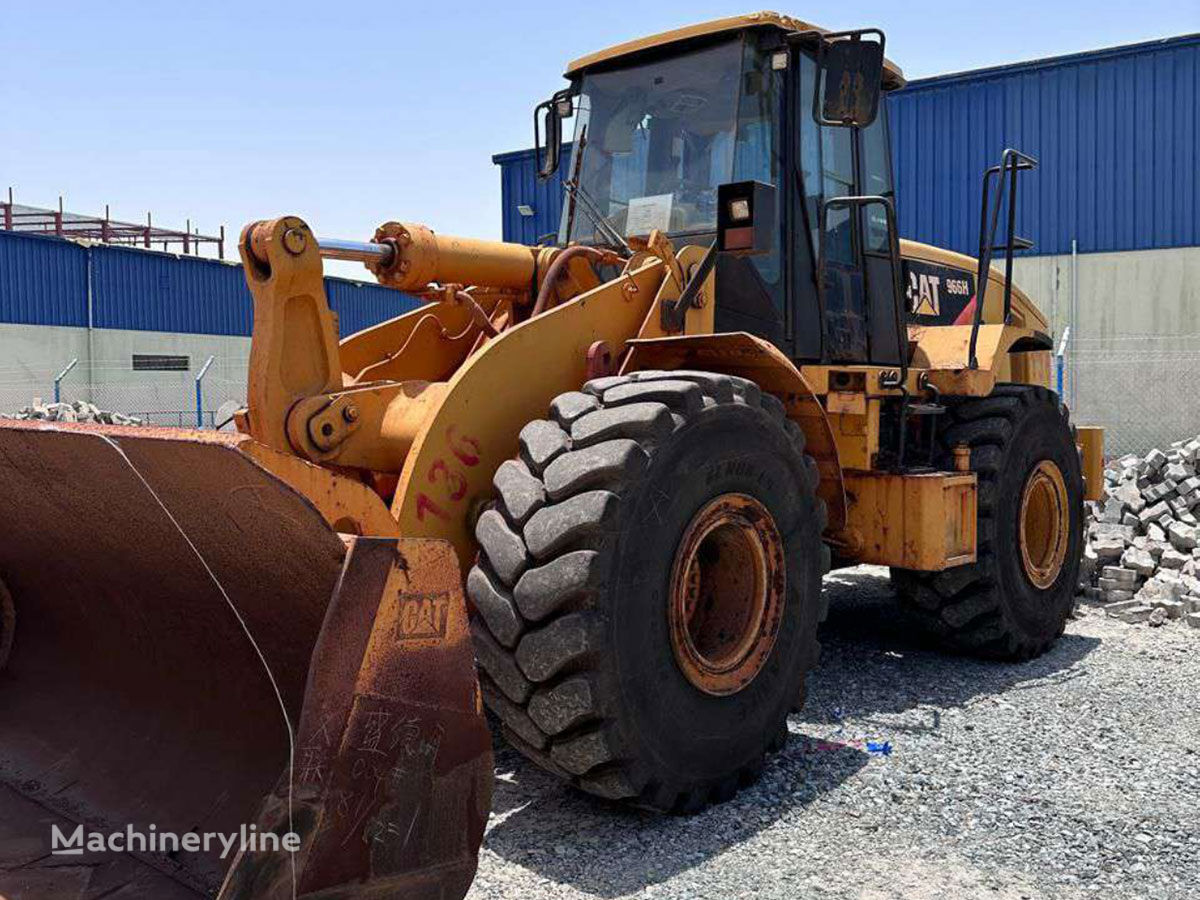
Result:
{"points": [[746, 223], [547, 119], [849, 78]]}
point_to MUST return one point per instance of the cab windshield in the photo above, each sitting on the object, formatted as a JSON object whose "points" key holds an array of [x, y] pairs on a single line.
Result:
{"points": [[653, 142]]}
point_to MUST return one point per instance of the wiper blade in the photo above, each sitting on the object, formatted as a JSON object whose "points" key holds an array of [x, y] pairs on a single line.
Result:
{"points": [[584, 201]]}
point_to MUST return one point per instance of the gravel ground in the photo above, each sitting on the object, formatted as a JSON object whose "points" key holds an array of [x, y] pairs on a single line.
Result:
{"points": [[1074, 775]]}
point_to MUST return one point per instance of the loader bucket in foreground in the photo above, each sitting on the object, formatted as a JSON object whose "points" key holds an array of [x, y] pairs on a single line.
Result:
{"points": [[146, 672]]}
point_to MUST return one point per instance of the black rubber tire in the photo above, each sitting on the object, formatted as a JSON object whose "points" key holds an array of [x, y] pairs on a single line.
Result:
{"points": [[571, 626], [990, 608]]}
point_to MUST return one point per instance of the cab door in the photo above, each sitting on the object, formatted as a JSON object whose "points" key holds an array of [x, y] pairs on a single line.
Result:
{"points": [[843, 284]]}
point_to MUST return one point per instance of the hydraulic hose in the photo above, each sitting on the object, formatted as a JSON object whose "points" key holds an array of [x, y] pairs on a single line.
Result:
{"points": [[594, 255]]}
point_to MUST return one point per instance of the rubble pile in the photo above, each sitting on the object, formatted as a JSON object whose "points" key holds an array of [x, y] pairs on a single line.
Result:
{"points": [[78, 411], [1141, 557]]}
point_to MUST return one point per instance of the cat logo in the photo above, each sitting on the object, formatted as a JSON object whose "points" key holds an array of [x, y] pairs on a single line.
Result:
{"points": [[422, 616], [924, 294]]}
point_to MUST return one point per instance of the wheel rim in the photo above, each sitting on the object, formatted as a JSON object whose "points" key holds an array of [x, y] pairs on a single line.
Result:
{"points": [[1044, 524], [727, 589]]}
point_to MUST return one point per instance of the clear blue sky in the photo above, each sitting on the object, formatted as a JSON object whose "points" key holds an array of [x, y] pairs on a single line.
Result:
{"points": [[350, 114]]}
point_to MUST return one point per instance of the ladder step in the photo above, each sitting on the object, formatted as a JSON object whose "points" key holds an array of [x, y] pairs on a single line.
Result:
{"points": [[1019, 243], [925, 409]]}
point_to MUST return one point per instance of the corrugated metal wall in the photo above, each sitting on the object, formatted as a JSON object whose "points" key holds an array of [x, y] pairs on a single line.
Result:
{"points": [[360, 305], [519, 185], [141, 291], [44, 281], [1116, 132]]}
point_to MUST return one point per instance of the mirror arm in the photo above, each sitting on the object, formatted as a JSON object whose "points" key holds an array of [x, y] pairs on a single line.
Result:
{"points": [[554, 117], [549, 165]]}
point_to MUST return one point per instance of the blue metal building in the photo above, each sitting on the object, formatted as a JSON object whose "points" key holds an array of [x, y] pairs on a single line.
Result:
{"points": [[56, 282], [530, 208], [1115, 131]]}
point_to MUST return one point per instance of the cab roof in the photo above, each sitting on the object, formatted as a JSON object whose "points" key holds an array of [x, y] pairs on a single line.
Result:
{"points": [[894, 77]]}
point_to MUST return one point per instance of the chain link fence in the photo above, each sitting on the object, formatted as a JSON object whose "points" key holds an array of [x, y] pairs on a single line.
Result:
{"points": [[165, 398], [1143, 389]]}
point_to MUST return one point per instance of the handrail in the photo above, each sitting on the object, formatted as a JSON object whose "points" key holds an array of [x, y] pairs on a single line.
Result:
{"points": [[1012, 162]]}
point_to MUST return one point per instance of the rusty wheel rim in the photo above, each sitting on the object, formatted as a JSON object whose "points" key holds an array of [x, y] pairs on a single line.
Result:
{"points": [[727, 589], [1044, 524]]}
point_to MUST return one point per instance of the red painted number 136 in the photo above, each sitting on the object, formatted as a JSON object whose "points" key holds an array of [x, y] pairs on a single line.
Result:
{"points": [[447, 476]]}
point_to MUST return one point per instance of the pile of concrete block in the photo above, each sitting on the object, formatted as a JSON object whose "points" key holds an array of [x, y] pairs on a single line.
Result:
{"points": [[1141, 558], [78, 411]]}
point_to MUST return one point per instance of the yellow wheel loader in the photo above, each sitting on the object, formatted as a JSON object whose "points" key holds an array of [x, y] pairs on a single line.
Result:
{"points": [[611, 471]]}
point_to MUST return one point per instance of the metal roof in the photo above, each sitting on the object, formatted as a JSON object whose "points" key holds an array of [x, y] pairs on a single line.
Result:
{"points": [[1101, 53], [61, 223]]}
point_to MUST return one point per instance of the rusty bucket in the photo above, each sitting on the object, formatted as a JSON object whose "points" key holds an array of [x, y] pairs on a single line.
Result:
{"points": [[187, 646]]}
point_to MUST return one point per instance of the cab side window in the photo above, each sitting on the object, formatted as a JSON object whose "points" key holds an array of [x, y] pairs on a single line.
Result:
{"points": [[827, 169], [877, 175]]}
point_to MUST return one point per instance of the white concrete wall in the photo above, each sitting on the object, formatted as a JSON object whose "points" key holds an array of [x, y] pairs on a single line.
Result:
{"points": [[1152, 292], [1133, 359], [31, 355]]}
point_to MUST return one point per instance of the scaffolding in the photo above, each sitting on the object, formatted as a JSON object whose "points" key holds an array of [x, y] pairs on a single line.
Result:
{"points": [[58, 222]]}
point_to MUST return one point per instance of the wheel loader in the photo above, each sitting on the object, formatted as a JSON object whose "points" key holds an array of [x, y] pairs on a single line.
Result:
{"points": [[591, 486]]}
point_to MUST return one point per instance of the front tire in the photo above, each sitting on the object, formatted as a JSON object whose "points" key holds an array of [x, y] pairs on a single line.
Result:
{"points": [[1014, 601], [648, 586]]}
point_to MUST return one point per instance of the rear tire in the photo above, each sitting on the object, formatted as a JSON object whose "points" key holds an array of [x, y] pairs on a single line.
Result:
{"points": [[1013, 602], [574, 585]]}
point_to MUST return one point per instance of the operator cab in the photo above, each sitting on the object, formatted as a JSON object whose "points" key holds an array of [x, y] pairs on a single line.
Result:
{"points": [[662, 123]]}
